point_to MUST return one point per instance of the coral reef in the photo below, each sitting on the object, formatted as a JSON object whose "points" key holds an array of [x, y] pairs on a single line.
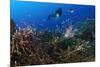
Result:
{"points": [[30, 47]]}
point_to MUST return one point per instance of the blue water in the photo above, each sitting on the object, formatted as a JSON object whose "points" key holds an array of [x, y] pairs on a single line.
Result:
{"points": [[36, 14]]}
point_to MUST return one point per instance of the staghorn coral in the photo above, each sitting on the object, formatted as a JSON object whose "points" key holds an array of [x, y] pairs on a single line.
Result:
{"points": [[29, 47]]}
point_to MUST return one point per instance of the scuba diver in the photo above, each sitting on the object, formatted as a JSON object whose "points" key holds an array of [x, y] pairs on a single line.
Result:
{"points": [[57, 14], [71, 10]]}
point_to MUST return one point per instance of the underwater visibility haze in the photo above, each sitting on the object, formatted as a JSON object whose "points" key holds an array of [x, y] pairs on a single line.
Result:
{"points": [[37, 13], [49, 33]]}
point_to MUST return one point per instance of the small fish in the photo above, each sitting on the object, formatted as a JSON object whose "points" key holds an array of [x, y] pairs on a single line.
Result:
{"points": [[57, 14], [71, 10]]}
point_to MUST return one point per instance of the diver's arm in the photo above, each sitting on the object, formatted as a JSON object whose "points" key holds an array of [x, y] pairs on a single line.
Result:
{"points": [[51, 16]]}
